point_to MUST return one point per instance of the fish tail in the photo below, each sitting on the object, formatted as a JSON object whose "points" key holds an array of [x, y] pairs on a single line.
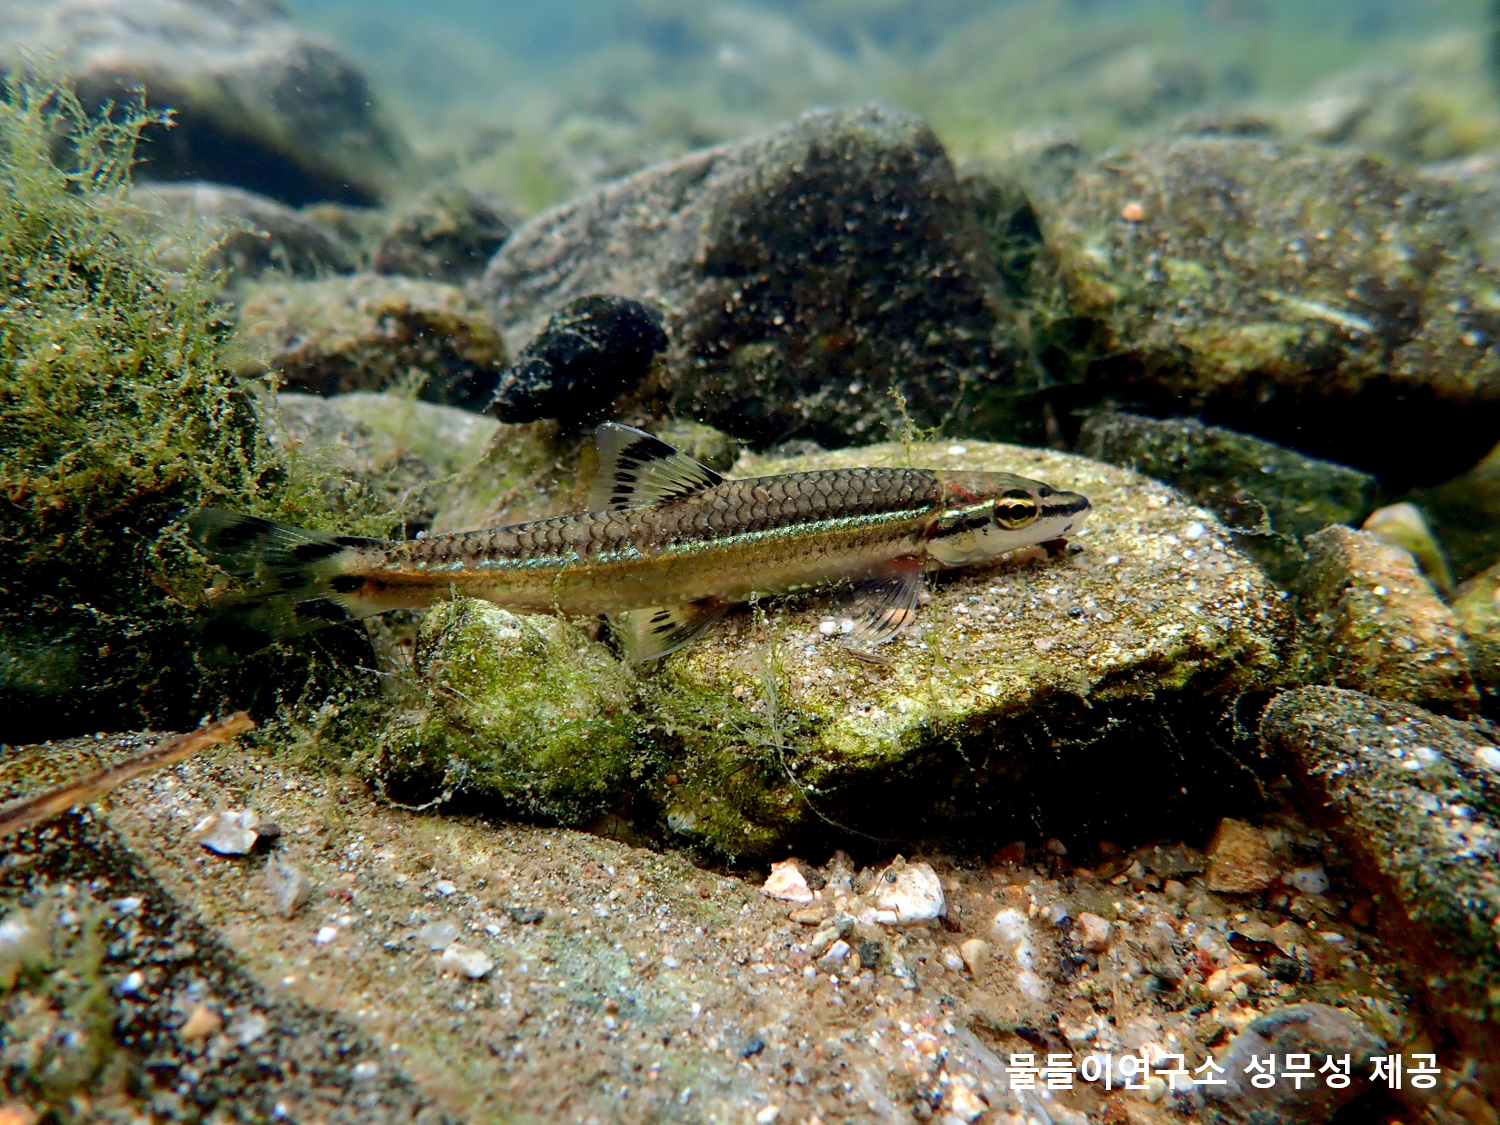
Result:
{"points": [[297, 580]]}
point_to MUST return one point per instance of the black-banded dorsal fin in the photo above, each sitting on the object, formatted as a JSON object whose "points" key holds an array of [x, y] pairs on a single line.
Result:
{"points": [[636, 469]]}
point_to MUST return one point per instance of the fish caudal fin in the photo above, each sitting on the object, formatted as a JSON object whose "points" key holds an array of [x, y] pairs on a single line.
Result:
{"points": [[296, 580]]}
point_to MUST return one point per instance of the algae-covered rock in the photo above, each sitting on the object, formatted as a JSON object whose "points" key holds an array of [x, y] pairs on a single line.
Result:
{"points": [[1038, 695], [1477, 608], [370, 333], [523, 709], [448, 233], [404, 455], [256, 102], [1373, 622], [808, 272], [250, 234], [1268, 495], [1273, 288], [1464, 513], [1412, 798]]}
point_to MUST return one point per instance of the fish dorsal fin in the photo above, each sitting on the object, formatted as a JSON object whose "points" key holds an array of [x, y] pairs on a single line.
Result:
{"points": [[649, 634], [636, 469]]}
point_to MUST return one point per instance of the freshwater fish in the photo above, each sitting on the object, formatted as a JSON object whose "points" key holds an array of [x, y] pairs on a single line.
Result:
{"points": [[665, 549]]}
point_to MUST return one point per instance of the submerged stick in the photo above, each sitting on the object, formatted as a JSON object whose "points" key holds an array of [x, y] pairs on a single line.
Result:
{"points": [[54, 802]]}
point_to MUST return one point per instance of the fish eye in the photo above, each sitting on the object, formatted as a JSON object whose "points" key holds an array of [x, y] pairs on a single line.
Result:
{"points": [[1014, 509]]}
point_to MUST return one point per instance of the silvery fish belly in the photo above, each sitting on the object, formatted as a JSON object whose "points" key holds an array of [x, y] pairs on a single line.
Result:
{"points": [[667, 546]]}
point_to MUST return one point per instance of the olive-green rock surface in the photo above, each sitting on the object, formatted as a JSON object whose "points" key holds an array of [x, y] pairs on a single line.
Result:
{"points": [[1413, 797], [368, 332], [1477, 608], [806, 274], [448, 233], [1267, 494], [1015, 700], [256, 102], [1277, 289], [1372, 621]]}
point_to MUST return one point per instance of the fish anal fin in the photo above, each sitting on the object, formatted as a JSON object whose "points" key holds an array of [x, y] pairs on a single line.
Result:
{"points": [[636, 469], [657, 631], [882, 603]]}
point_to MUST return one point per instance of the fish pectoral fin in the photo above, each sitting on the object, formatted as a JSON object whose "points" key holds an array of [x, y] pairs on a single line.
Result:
{"points": [[636, 469], [882, 603], [659, 630]]}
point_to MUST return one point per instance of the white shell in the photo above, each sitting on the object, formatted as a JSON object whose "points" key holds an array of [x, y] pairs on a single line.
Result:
{"points": [[231, 832]]}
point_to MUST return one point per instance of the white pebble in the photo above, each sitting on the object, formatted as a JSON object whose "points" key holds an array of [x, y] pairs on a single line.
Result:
{"points": [[438, 936], [248, 1028], [444, 887], [132, 983], [828, 626], [957, 450], [768, 1115], [953, 961], [1194, 530], [289, 887], [1488, 757], [473, 963], [787, 883], [911, 891], [964, 1103], [231, 832], [365, 1071], [835, 955], [128, 905], [325, 935], [1308, 880]]}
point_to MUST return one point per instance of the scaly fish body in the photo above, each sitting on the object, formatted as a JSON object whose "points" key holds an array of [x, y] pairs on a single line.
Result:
{"points": [[666, 533]]}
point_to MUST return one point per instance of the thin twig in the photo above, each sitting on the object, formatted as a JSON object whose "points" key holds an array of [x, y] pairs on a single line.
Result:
{"points": [[54, 802]]}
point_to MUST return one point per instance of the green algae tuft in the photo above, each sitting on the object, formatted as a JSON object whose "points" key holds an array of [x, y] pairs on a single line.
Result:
{"points": [[117, 408]]}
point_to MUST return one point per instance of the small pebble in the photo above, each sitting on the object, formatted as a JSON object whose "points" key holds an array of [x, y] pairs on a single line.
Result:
{"points": [[952, 961], [911, 891], [437, 936], [964, 1103], [248, 1028], [811, 916], [132, 983], [1093, 932], [473, 963], [1308, 880], [290, 888], [202, 1023], [231, 832], [975, 953], [325, 935], [128, 905], [768, 1115], [1133, 212], [365, 1071], [1240, 860], [525, 915], [444, 887], [835, 955], [787, 883], [752, 1047]]}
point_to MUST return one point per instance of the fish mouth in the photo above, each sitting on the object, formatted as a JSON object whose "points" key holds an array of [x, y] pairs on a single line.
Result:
{"points": [[1071, 506]]}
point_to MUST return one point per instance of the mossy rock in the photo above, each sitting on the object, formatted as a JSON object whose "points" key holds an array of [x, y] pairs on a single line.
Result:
{"points": [[1261, 285], [525, 709], [1011, 706]]}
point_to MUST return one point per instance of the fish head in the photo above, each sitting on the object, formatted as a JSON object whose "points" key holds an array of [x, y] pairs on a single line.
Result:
{"points": [[984, 515]]}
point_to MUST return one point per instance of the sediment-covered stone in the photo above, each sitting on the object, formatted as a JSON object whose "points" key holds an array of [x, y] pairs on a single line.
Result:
{"points": [[371, 333], [808, 273], [1411, 797], [411, 455], [250, 234], [1260, 285], [1268, 495], [448, 233], [1477, 607], [256, 102], [1373, 622]]}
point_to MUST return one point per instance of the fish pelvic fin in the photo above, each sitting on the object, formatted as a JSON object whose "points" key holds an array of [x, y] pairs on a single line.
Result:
{"points": [[296, 580], [636, 470], [649, 634]]}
